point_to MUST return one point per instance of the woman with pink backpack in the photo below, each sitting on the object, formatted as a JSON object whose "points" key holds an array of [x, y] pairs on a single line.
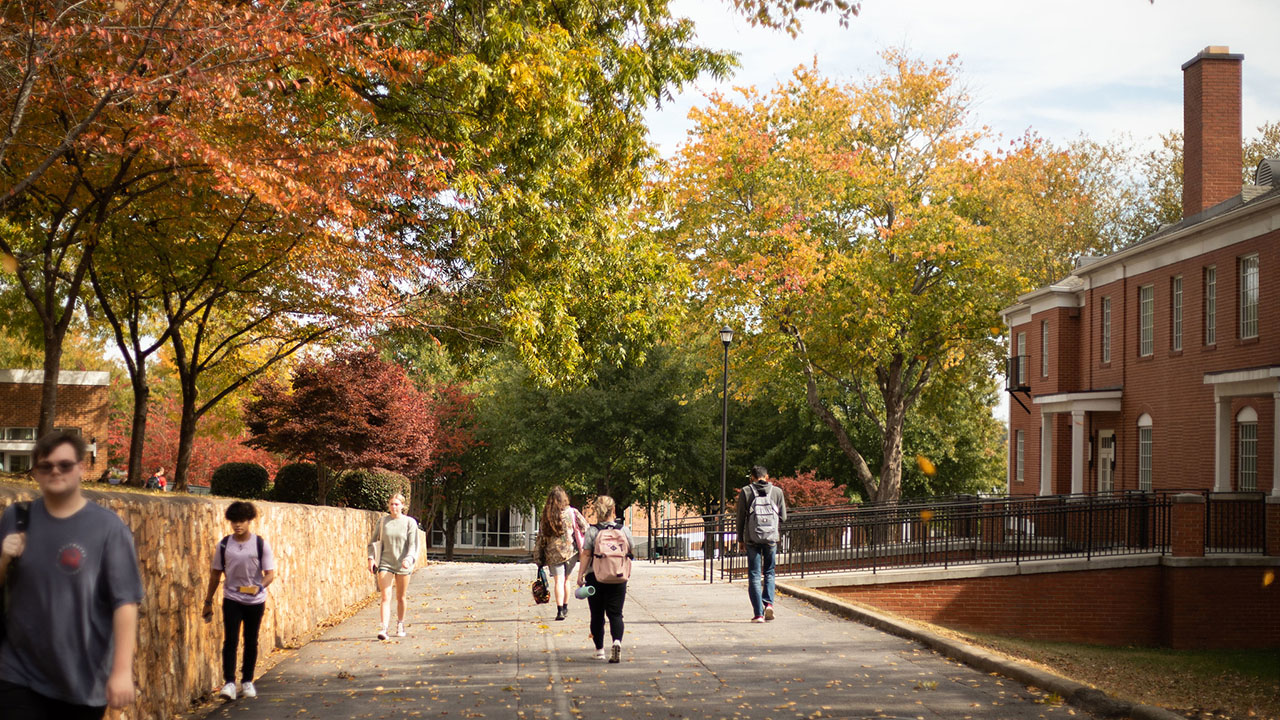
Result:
{"points": [[606, 567]]}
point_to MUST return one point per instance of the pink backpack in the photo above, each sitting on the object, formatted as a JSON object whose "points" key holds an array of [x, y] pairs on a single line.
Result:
{"points": [[611, 557]]}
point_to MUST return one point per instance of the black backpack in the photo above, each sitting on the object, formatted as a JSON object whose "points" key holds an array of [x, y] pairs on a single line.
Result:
{"points": [[22, 519]]}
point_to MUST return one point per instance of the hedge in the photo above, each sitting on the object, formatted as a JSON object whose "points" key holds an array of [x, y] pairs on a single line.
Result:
{"points": [[297, 483], [368, 489], [240, 480]]}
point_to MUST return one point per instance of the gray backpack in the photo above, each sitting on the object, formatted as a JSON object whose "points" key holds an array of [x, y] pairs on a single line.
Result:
{"points": [[762, 517]]}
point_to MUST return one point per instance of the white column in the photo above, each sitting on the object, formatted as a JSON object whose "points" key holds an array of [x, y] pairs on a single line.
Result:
{"points": [[1046, 453], [1275, 447], [1222, 445], [1077, 451]]}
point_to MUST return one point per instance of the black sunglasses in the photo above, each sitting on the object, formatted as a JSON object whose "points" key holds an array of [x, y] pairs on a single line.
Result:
{"points": [[63, 466]]}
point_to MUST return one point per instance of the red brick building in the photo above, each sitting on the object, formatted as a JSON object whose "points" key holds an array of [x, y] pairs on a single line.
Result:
{"points": [[1158, 367], [83, 407]]}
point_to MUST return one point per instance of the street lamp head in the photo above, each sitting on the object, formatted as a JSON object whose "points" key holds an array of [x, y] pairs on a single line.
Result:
{"points": [[726, 335]]}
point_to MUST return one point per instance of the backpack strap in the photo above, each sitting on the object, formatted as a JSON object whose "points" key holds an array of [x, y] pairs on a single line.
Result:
{"points": [[260, 544], [222, 552]]}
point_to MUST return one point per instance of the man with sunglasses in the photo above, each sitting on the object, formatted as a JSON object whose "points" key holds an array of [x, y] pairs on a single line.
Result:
{"points": [[73, 591]]}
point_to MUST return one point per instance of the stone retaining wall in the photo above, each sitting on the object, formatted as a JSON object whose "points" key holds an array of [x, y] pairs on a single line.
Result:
{"points": [[320, 559]]}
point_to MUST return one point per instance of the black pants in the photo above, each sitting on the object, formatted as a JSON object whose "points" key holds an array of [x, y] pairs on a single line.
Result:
{"points": [[23, 703], [608, 600], [234, 613]]}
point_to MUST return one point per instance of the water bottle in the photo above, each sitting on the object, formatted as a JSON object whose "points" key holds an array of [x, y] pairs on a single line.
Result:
{"points": [[584, 591]]}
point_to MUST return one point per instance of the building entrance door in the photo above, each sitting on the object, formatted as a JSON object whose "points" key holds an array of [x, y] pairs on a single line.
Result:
{"points": [[1106, 459]]}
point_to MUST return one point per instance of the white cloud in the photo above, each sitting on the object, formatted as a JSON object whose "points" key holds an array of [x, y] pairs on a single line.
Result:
{"points": [[1059, 67]]}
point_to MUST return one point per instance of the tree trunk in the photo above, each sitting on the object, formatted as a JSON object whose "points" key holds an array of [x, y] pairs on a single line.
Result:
{"points": [[53, 337], [138, 430], [890, 487], [324, 483], [186, 440]]}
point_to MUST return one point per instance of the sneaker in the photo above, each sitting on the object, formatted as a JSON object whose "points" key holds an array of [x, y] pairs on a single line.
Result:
{"points": [[768, 613], [616, 655], [600, 654], [229, 691], [382, 634], [248, 690], [399, 629], [758, 619]]}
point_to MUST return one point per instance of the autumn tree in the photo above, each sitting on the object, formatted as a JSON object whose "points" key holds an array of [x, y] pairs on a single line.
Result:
{"points": [[844, 228], [806, 489], [354, 411], [113, 102]]}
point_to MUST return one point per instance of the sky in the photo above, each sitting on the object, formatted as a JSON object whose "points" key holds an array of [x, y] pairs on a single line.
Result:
{"points": [[1058, 67]]}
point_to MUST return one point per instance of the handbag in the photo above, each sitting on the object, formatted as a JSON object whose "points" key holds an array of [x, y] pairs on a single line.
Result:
{"points": [[541, 593]]}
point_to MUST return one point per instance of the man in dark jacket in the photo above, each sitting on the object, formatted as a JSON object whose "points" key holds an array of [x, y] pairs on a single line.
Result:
{"points": [[762, 508]]}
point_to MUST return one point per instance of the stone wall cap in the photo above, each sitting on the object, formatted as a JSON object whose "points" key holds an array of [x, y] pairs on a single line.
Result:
{"points": [[1188, 498], [1273, 499]]}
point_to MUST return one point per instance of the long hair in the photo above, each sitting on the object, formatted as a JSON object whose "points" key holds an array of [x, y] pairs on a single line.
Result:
{"points": [[604, 507], [553, 512]]}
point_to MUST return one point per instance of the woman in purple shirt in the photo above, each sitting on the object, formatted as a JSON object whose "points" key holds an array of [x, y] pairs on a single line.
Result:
{"points": [[247, 563]]}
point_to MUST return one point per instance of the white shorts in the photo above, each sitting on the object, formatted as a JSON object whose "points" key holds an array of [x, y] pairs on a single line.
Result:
{"points": [[559, 571]]}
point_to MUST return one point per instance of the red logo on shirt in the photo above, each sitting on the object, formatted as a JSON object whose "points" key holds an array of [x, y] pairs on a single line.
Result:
{"points": [[70, 558]]}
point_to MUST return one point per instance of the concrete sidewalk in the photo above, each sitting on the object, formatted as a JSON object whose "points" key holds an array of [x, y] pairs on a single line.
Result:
{"points": [[478, 647]]}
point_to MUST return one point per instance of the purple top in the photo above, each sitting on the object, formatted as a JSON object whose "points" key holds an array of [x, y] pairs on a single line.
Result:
{"points": [[243, 570]]}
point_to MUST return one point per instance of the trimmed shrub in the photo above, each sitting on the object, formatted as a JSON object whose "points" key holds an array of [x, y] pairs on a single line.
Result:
{"points": [[240, 480], [368, 489], [297, 483]]}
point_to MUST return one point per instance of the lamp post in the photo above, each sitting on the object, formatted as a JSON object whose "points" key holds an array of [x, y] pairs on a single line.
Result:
{"points": [[726, 337]]}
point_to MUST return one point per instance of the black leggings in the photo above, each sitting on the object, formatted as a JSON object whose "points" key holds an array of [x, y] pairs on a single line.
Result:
{"points": [[608, 600], [234, 613]]}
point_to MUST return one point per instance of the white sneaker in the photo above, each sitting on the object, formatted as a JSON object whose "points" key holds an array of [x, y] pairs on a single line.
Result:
{"points": [[768, 613], [600, 654], [616, 656], [229, 691], [382, 634], [399, 629], [248, 690]]}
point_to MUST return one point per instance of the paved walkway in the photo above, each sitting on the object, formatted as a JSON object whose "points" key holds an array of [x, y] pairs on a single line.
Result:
{"points": [[478, 648]]}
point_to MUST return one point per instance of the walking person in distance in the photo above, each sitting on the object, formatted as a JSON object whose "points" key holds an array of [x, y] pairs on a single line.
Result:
{"points": [[71, 578], [606, 566], [559, 534], [246, 562], [762, 508], [393, 552]]}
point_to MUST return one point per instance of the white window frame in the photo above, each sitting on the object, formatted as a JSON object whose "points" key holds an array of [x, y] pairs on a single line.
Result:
{"points": [[17, 462], [1022, 358], [1247, 450], [1176, 311], [1211, 305], [1106, 329], [16, 434], [1145, 447], [1020, 455], [1044, 348], [1146, 320], [1249, 296]]}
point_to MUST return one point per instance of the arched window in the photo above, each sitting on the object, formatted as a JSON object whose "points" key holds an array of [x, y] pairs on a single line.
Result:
{"points": [[1144, 452], [1247, 450]]}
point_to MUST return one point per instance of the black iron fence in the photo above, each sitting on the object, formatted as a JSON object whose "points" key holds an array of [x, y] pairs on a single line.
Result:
{"points": [[967, 529]]}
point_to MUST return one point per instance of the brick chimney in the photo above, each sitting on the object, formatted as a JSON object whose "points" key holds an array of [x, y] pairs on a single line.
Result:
{"points": [[1212, 138]]}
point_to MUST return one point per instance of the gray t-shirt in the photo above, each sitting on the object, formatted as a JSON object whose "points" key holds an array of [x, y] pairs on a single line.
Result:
{"points": [[399, 541], [243, 568], [62, 594]]}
